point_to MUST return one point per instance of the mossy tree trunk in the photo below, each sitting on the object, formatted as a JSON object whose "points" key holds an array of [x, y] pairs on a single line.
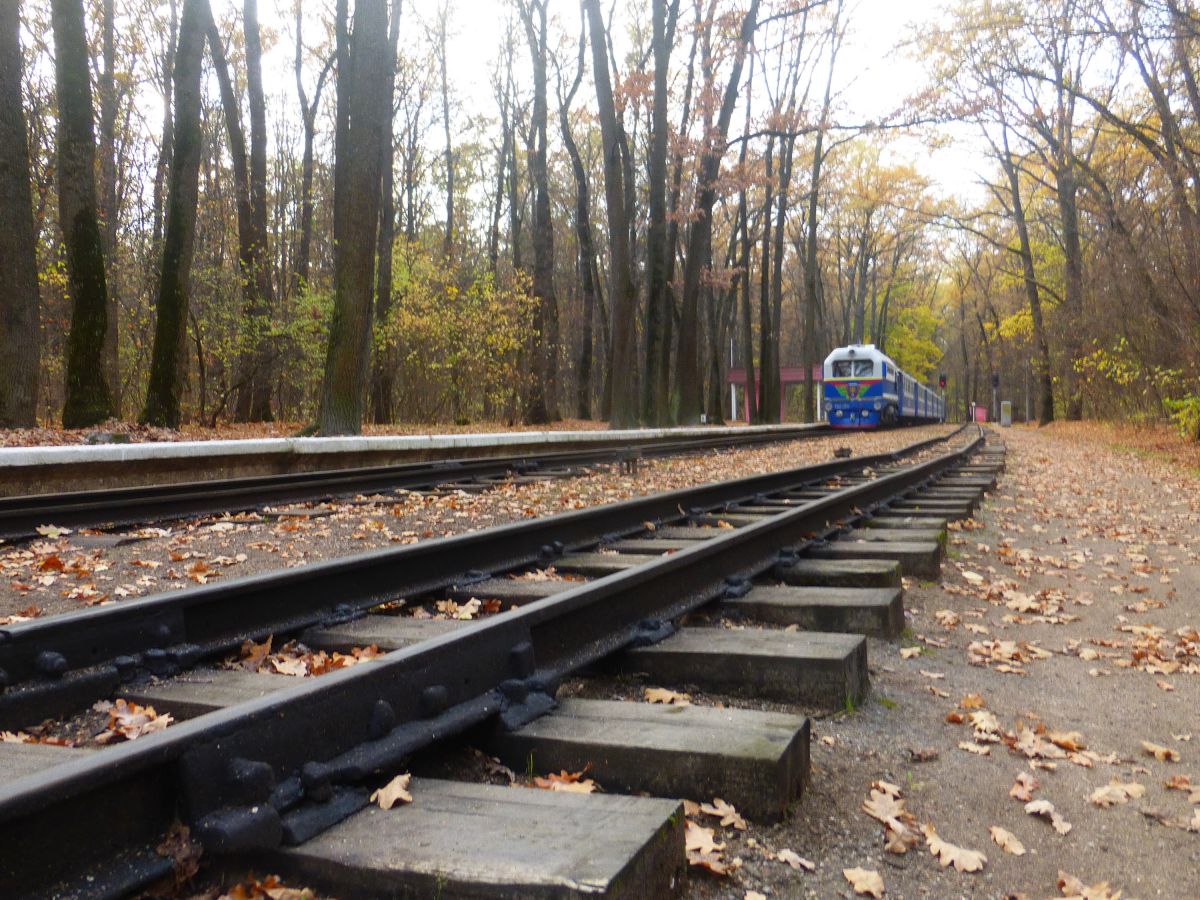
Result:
{"points": [[88, 399], [162, 397], [19, 343]]}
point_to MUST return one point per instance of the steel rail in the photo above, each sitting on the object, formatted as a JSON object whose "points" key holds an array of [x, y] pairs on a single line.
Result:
{"points": [[286, 766], [109, 507], [56, 665]]}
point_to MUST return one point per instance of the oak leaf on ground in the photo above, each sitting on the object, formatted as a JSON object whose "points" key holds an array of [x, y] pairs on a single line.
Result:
{"points": [[866, 882], [395, 791], [1007, 841], [948, 854]]}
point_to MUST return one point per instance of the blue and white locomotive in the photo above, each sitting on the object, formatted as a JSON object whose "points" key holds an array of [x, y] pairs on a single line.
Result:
{"points": [[865, 389]]}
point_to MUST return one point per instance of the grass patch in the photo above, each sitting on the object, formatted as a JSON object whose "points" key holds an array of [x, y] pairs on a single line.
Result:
{"points": [[886, 702]]}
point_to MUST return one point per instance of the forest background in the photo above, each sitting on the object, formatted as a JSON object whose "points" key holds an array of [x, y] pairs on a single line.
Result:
{"points": [[336, 212]]}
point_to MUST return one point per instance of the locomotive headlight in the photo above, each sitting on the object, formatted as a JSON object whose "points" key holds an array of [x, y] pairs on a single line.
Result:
{"points": [[828, 405], [878, 406]]}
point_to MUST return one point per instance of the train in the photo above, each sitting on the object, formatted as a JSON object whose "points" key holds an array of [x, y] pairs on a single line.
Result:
{"points": [[864, 388]]}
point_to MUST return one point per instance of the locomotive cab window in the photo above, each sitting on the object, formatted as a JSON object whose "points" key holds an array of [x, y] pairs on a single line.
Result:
{"points": [[853, 368]]}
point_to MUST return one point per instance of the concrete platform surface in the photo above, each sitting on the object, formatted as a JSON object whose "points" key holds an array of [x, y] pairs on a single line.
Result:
{"points": [[204, 690], [805, 667], [460, 840], [922, 559], [758, 761], [19, 760], [385, 632], [876, 612], [596, 565], [840, 573]]}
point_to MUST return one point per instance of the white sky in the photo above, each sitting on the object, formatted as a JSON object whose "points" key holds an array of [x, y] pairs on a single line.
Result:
{"points": [[872, 76]]}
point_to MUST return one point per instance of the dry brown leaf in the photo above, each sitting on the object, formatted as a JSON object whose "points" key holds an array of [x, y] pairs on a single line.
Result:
{"points": [[972, 701], [910, 652], [1074, 889], [1161, 753], [130, 721], [795, 860], [972, 747], [725, 812], [570, 782], [1115, 792], [962, 859], [866, 882], [1024, 787], [1045, 809], [663, 695], [395, 791], [704, 852], [1007, 841]]}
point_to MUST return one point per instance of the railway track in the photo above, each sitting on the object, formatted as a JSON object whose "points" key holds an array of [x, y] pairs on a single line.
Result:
{"points": [[122, 506], [275, 772]]}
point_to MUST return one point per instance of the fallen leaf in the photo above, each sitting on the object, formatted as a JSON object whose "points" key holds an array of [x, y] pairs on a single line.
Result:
{"points": [[962, 859], [972, 747], [1045, 809], [51, 531], [1115, 792], [1024, 787], [703, 850], [795, 860], [128, 720], [395, 791], [1074, 889], [1161, 753], [909, 652], [725, 812], [663, 695], [571, 782], [867, 882], [1007, 841]]}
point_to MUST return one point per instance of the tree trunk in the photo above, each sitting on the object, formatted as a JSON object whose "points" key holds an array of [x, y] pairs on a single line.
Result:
{"points": [[623, 412], [1044, 375], [107, 89], [812, 280], [698, 257], [20, 344], [363, 114], [1067, 189], [383, 366], [253, 402], [88, 399], [656, 233], [541, 404], [768, 410], [171, 306], [583, 237], [448, 241], [308, 115]]}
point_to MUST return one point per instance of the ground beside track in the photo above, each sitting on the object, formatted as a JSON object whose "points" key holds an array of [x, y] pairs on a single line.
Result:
{"points": [[1111, 536]]}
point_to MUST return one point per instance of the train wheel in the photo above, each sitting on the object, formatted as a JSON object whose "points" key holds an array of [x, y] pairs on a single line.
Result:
{"points": [[889, 416]]}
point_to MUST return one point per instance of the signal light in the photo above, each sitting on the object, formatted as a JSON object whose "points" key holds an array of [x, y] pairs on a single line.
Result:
{"points": [[942, 382]]}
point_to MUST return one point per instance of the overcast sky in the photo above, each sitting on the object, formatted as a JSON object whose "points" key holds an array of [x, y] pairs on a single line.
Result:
{"points": [[873, 77]]}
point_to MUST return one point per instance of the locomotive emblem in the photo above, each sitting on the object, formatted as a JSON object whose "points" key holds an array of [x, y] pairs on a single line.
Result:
{"points": [[852, 390]]}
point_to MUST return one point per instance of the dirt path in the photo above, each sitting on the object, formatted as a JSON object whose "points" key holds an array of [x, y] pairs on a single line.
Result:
{"points": [[1086, 568]]}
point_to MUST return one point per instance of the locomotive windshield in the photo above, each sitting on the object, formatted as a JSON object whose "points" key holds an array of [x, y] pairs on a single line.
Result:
{"points": [[853, 368]]}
